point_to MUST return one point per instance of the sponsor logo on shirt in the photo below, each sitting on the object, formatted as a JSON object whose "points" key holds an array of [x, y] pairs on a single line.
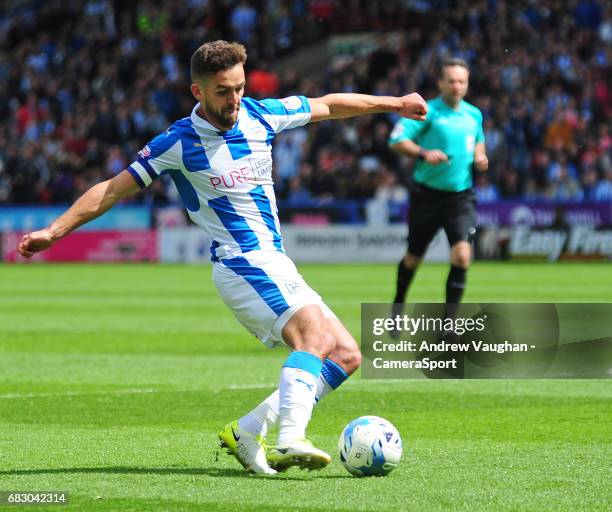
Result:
{"points": [[231, 179], [262, 167], [257, 170]]}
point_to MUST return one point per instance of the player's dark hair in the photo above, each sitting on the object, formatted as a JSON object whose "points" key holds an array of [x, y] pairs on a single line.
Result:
{"points": [[453, 61], [216, 56]]}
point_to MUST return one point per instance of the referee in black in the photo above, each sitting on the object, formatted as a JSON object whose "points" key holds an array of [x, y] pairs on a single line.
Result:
{"points": [[447, 145]]}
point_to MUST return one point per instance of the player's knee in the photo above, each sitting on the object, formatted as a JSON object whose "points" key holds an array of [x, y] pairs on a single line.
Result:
{"points": [[307, 331], [317, 341]]}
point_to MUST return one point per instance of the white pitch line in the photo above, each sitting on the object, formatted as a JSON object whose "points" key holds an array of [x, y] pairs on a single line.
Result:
{"points": [[135, 391], [130, 391], [350, 382], [252, 386]]}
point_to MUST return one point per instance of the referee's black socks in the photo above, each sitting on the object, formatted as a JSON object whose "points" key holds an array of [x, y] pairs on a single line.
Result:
{"points": [[455, 284], [404, 278]]}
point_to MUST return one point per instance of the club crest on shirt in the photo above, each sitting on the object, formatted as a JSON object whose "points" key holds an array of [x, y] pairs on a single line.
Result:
{"points": [[293, 286], [257, 131], [145, 152]]}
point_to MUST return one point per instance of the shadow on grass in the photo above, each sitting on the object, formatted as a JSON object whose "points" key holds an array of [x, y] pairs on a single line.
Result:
{"points": [[130, 470]]}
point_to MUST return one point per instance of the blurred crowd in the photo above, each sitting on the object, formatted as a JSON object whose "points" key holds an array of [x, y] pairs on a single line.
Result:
{"points": [[85, 84]]}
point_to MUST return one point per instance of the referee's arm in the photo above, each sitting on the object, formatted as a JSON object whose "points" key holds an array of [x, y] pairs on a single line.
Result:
{"points": [[481, 162], [410, 148]]}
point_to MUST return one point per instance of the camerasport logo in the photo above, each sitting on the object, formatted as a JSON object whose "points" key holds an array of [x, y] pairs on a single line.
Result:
{"points": [[145, 152]]}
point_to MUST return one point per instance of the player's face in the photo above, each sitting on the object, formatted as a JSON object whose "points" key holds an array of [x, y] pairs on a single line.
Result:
{"points": [[453, 83], [220, 94]]}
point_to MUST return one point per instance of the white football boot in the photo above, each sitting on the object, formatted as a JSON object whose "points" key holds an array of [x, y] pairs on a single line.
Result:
{"points": [[249, 449]]}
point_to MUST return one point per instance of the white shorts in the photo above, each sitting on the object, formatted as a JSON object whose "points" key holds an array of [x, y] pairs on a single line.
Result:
{"points": [[264, 290]]}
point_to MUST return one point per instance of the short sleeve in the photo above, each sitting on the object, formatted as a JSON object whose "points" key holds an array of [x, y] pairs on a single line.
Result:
{"points": [[160, 154], [480, 133], [282, 114], [407, 129]]}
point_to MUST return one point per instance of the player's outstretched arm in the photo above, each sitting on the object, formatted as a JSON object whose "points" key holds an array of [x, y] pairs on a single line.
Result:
{"points": [[93, 203], [343, 105]]}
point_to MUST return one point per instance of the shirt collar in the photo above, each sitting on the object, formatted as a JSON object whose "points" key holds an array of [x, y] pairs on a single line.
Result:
{"points": [[447, 106]]}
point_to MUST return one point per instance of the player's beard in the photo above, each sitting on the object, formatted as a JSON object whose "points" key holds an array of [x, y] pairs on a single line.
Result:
{"points": [[224, 117]]}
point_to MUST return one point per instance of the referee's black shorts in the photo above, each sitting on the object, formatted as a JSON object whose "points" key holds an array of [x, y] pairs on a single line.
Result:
{"points": [[432, 209]]}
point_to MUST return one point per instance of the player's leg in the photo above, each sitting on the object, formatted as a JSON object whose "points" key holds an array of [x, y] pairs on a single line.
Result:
{"points": [[342, 361], [256, 302], [459, 226], [270, 298], [307, 334], [340, 357]]}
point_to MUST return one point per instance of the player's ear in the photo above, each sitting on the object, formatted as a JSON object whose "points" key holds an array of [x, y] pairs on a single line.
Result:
{"points": [[197, 91]]}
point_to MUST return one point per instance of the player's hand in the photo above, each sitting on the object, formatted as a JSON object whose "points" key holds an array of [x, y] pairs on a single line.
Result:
{"points": [[413, 107], [435, 157], [34, 242], [481, 162]]}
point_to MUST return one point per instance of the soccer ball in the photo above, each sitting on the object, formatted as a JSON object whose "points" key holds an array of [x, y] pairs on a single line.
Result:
{"points": [[370, 446]]}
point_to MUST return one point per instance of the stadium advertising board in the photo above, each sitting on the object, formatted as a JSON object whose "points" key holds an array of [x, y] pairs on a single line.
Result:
{"points": [[579, 242], [337, 244], [183, 245], [92, 246], [543, 214], [28, 218], [551, 231], [326, 244]]}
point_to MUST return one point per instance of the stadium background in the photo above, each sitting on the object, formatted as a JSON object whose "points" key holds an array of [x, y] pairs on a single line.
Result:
{"points": [[115, 378], [84, 85]]}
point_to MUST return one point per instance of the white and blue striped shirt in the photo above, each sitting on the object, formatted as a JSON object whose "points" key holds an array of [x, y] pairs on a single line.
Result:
{"points": [[225, 178]]}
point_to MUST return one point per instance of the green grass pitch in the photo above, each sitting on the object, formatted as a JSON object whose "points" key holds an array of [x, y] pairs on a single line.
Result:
{"points": [[114, 380]]}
